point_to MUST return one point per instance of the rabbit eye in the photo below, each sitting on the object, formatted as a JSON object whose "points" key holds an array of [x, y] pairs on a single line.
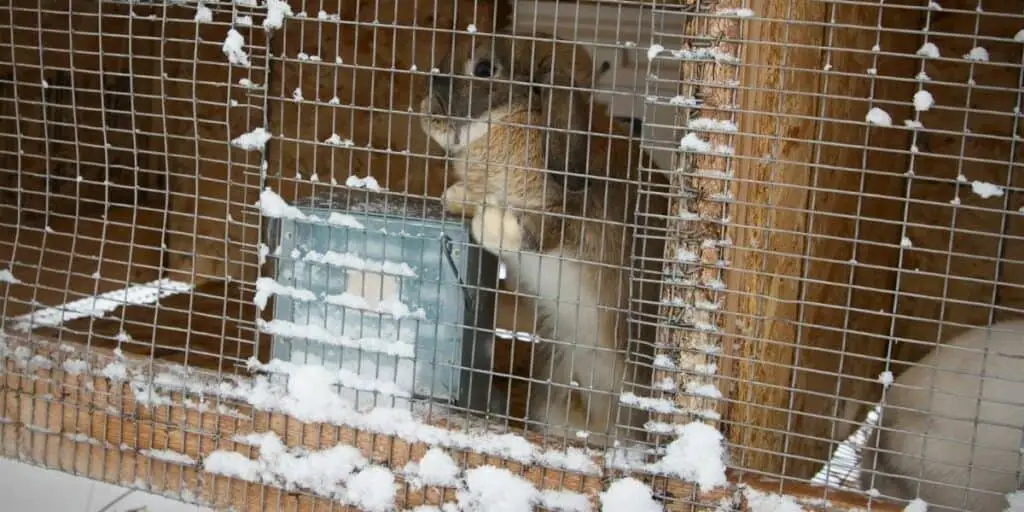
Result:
{"points": [[482, 69]]}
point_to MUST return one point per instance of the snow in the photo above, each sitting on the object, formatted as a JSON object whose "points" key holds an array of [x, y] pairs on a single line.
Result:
{"points": [[765, 502], [276, 12], [6, 276], [356, 262], [1019, 36], [711, 124], [100, 305], [696, 456], [738, 12], [933, 5], [659, 405], [664, 362], [885, 378], [923, 101], [566, 501], [75, 366], [654, 51], [297, 94], [683, 101], [435, 468], [986, 190], [1015, 502], [471, 28], [274, 206], [267, 287], [243, 21], [369, 183], [692, 142], [977, 54], [233, 48], [308, 373], [629, 494], [169, 456], [255, 140], [335, 139], [918, 505], [929, 51], [319, 334], [906, 243], [496, 490], [340, 472], [203, 14], [879, 117], [703, 390]]}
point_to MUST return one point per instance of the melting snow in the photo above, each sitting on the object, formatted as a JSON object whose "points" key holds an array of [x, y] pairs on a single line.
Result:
{"points": [[169, 456], [654, 51]]}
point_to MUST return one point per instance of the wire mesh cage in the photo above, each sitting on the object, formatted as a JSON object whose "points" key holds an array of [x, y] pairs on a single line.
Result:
{"points": [[506, 255]]}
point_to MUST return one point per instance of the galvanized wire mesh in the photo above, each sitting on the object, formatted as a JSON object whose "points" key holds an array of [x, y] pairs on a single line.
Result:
{"points": [[784, 206]]}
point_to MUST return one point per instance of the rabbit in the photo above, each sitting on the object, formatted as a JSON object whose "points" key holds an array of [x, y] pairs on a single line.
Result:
{"points": [[933, 430], [561, 230]]}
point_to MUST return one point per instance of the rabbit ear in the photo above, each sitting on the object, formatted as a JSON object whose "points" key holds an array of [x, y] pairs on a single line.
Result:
{"points": [[567, 113]]}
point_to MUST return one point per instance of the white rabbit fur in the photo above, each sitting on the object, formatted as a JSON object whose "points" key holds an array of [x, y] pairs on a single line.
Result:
{"points": [[928, 437]]}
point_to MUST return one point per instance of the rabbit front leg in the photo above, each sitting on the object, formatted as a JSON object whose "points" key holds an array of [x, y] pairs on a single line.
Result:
{"points": [[496, 229], [458, 199]]}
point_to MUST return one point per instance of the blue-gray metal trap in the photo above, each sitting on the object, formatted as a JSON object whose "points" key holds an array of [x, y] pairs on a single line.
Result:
{"points": [[402, 297]]}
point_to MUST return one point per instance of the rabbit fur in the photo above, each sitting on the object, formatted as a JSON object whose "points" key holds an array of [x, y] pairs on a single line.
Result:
{"points": [[927, 435], [551, 213]]}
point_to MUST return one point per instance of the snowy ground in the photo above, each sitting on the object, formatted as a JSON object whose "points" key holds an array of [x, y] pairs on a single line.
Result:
{"points": [[26, 487]]}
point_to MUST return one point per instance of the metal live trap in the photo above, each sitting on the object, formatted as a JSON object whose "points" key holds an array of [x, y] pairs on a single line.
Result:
{"points": [[403, 273]]}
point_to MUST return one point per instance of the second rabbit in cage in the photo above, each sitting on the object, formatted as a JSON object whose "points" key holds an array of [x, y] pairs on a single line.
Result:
{"points": [[952, 427], [560, 227]]}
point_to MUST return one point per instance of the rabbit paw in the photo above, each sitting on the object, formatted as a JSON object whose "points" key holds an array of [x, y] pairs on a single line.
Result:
{"points": [[456, 200], [497, 230]]}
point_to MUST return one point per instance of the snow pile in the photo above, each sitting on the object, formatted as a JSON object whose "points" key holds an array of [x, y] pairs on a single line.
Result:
{"points": [[233, 48], [435, 468], [629, 494], [695, 456], [355, 262], [340, 473], [498, 490]]}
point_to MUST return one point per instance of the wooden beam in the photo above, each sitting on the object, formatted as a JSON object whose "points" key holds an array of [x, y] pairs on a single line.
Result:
{"points": [[89, 425]]}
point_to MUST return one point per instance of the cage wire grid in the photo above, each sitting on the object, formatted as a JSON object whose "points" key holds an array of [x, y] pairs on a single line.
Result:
{"points": [[768, 201]]}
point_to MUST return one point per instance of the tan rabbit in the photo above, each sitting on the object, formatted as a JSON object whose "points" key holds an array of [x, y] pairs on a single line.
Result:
{"points": [[965, 453], [560, 227]]}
